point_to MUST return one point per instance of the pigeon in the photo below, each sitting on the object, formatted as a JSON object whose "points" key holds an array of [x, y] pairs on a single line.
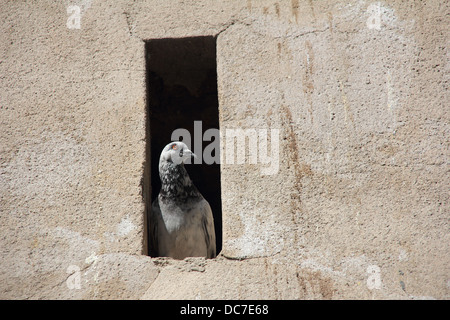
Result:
{"points": [[181, 223]]}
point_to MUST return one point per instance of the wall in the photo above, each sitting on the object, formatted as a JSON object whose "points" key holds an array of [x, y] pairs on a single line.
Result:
{"points": [[356, 90]]}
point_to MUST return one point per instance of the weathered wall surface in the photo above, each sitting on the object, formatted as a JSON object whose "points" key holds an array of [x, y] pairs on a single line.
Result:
{"points": [[357, 89]]}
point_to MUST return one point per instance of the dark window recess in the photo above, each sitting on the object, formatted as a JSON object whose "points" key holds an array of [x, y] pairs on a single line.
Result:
{"points": [[181, 89]]}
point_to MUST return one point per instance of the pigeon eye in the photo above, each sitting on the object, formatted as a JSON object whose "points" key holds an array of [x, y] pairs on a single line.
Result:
{"points": [[174, 147]]}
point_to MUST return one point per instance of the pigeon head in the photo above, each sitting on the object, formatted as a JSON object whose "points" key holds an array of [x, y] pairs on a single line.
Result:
{"points": [[175, 181], [176, 152]]}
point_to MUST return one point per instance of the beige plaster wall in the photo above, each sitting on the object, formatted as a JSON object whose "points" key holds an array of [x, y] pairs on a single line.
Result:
{"points": [[357, 90]]}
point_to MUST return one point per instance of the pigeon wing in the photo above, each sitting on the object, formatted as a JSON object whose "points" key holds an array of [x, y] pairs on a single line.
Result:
{"points": [[208, 229]]}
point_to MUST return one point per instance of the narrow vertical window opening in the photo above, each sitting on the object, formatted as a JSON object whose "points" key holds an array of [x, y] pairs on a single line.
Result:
{"points": [[182, 94]]}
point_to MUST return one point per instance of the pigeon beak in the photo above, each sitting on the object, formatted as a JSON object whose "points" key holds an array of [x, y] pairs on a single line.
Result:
{"points": [[188, 154]]}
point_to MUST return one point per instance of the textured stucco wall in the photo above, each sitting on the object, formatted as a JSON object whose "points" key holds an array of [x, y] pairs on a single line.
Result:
{"points": [[357, 89]]}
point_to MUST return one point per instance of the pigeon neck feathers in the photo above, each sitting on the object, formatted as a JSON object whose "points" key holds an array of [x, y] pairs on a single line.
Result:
{"points": [[176, 184]]}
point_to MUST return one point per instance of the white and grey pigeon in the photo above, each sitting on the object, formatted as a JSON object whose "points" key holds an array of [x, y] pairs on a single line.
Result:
{"points": [[181, 223]]}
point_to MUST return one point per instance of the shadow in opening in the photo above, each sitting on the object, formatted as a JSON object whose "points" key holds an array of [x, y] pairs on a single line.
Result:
{"points": [[181, 89]]}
